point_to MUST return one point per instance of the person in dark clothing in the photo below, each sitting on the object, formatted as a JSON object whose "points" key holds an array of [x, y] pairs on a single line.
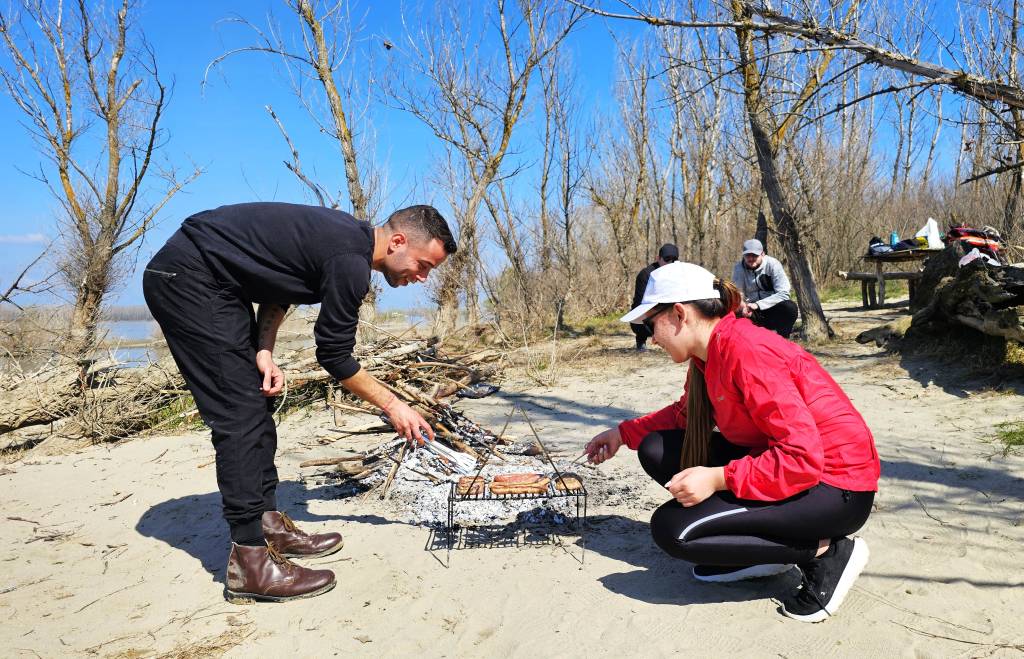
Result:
{"points": [[668, 253], [765, 288], [201, 287]]}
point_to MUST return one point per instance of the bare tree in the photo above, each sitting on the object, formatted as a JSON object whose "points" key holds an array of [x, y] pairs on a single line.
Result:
{"points": [[70, 71], [749, 19], [620, 187], [473, 104], [702, 154], [322, 54], [566, 154], [20, 286]]}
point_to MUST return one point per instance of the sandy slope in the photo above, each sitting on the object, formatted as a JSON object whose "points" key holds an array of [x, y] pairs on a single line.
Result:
{"points": [[96, 573]]}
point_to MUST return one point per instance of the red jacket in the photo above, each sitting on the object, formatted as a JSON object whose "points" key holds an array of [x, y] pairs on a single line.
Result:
{"points": [[771, 395]]}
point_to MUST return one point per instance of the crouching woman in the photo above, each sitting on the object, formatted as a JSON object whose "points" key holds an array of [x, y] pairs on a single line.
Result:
{"points": [[789, 475]]}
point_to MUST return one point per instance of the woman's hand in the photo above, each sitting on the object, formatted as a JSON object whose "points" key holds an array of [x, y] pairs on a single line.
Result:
{"points": [[693, 485], [273, 377], [603, 446]]}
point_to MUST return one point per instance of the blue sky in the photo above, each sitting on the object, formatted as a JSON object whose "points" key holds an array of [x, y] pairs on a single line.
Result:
{"points": [[225, 129]]}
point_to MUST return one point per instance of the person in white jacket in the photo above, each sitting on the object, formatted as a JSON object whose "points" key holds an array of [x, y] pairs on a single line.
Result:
{"points": [[765, 289]]}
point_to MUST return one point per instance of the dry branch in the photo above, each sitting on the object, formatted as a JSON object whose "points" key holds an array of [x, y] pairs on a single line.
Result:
{"points": [[108, 400]]}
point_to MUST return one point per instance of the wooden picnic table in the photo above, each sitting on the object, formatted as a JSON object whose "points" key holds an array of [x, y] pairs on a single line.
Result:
{"points": [[883, 272]]}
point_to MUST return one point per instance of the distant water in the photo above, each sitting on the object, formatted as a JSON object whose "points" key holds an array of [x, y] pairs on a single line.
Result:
{"points": [[130, 330], [125, 338], [121, 334]]}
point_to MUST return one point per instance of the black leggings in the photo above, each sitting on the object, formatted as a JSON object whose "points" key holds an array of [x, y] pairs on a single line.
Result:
{"points": [[728, 531]]}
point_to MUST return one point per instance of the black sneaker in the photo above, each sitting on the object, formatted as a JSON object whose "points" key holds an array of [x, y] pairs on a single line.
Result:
{"points": [[826, 581], [724, 574]]}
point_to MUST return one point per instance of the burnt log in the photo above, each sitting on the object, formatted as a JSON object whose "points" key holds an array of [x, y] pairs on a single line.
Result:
{"points": [[936, 268], [984, 297]]}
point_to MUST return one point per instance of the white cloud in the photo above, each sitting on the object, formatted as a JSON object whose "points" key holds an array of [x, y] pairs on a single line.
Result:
{"points": [[22, 239]]}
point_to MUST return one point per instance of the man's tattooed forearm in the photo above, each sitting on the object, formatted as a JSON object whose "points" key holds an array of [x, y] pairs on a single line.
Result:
{"points": [[270, 318]]}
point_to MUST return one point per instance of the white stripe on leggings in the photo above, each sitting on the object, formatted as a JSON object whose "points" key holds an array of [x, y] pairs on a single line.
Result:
{"points": [[682, 536]]}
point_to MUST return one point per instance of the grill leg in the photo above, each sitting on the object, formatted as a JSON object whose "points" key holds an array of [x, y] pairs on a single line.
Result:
{"points": [[451, 526], [583, 531]]}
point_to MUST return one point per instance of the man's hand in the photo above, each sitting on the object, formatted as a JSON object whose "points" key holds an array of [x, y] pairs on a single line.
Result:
{"points": [[407, 422], [693, 485], [747, 309], [603, 446], [273, 377]]}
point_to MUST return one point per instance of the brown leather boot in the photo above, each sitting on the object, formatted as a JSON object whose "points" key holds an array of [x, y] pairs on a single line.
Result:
{"points": [[293, 543], [260, 573]]}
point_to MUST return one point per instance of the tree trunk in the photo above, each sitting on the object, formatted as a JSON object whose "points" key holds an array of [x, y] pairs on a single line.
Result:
{"points": [[761, 229], [85, 316], [457, 275], [815, 325]]}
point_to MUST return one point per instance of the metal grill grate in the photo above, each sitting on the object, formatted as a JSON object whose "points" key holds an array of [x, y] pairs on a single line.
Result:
{"points": [[580, 494], [551, 492]]}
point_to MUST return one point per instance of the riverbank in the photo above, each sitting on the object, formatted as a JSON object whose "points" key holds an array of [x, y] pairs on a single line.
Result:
{"points": [[126, 557]]}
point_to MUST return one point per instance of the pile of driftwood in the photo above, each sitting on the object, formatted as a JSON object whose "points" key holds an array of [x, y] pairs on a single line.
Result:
{"points": [[983, 297], [106, 400]]}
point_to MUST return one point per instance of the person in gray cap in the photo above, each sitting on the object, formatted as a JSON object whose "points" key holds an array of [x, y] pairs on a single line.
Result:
{"points": [[765, 288], [668, 253]]}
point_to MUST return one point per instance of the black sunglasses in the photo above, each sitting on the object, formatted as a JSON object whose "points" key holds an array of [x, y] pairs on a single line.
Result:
{"points": [[649, 321]]}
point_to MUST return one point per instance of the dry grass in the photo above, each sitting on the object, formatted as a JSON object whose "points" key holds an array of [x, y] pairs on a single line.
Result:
{"points": [[212, 646], [208, 647]]}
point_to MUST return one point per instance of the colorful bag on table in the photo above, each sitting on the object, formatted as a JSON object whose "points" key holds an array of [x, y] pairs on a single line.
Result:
{"points": [[987, 240]]}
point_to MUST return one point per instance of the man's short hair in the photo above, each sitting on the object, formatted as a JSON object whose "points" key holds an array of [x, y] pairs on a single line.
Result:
{"points": [[425, 223], [668, 253]]}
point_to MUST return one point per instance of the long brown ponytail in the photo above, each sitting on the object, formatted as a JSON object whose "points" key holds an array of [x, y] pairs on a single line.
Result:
{"points": [[699, 423]]}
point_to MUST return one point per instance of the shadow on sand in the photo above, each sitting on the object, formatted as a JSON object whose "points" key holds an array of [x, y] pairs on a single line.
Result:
{"points": [[661, 579], [194, 523]]}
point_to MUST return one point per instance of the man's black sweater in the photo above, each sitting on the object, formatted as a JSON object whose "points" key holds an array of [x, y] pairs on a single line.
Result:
{"points": [[291, 254]]}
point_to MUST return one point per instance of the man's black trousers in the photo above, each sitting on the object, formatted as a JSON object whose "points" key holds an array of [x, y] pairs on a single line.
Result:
{"points": [[211, 333], [779, 318], [640, 330]]}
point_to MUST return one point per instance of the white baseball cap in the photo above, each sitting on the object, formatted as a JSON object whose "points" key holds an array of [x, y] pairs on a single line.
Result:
{"points": [[674, 282]]}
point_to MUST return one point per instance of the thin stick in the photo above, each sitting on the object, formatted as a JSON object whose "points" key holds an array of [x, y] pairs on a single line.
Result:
{"points": [[394, 470], [558, 474], [493, 449], [921, 503], [108, 595], [111, 503], [922, 632], [351, 408], [324, 462], [8, 589], [433, 479]]}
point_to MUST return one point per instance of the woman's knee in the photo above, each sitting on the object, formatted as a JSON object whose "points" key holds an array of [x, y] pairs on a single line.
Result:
{"points": [[659, 454], [665, 529], [650, 452]]}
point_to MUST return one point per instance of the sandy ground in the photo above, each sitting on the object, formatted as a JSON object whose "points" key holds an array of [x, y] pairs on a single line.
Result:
{"points": [[120, 551]]}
